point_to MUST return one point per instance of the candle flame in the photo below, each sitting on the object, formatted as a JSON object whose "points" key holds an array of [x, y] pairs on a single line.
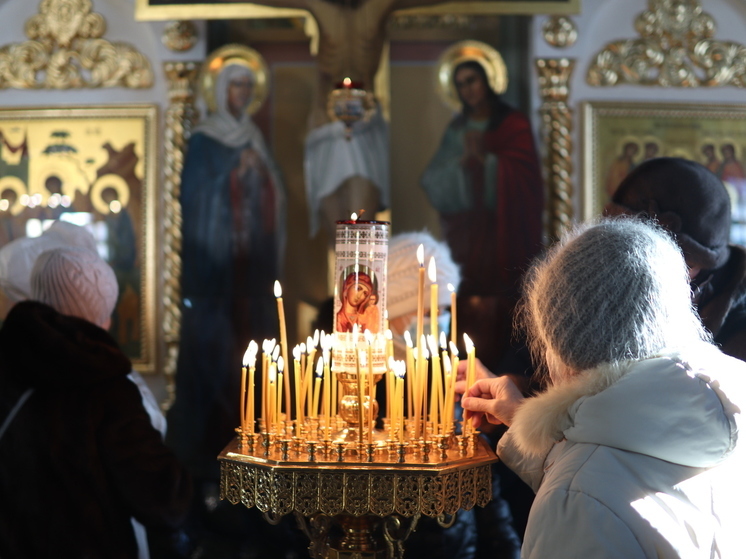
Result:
{"points": [[443, 342], [347, 82], [392, 362], [278, 289], [296, 353], [421, 255], [447, 366], [388, 334], [320, 368], [302, 348], [281, 363], [454, 349], [408, 339], [451, 288], [275, 353], [431, 271], [368, 336], [315, 337], [247, 356], [468, 343], [353, 217], [432, 344], [400, 369]]}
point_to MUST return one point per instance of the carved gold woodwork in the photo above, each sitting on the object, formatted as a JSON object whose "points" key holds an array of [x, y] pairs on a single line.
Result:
{"points": [[181, 117], [179, 36], [560, 31], [66, 50], [675, 49], [557, 121]]}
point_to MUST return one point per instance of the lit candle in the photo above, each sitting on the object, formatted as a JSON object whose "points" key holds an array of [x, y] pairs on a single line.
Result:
{"points": [[317, 388], [420, 291], [453, 312], [283, 341], [371, 384], [422, 366], [454, 372], [433, 275], [450, 378], [253, 349], [280, 385], [243, 391], [410, 372], [271, 397], [265, 384], [274, 357], [359, 395], [470, 372], [311, 345], [332, 343], [436, 396], [297, 384], [399, 370], [390, 389], [326, 347]]}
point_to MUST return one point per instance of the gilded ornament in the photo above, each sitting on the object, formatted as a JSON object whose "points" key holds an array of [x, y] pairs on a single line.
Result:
{"points": [[66, 50], [560, 31], [554, 77], [675, 49], [180, 36]]}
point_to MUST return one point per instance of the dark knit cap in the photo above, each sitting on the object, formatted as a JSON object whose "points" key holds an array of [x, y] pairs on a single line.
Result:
{"points": [[685, 198]]}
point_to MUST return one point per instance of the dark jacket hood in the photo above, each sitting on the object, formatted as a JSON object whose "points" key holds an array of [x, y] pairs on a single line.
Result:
{"points": [[47, 350]]}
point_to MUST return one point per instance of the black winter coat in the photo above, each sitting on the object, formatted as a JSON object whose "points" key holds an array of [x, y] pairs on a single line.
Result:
{"points": [[81, 457]]}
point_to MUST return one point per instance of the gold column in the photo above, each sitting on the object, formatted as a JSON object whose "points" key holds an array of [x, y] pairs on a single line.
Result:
{"points": [[181, 116], [557, 123]]}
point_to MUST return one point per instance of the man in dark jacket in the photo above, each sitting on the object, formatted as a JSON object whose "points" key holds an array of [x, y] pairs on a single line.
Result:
{"points": [[78, 457], [693, 204]]}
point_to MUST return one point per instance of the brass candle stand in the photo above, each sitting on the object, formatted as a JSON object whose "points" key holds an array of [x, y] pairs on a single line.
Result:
{"points": [[356, 500]]}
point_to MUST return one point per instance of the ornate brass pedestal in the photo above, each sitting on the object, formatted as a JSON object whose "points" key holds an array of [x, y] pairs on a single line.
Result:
{"points": [[357, 503]]}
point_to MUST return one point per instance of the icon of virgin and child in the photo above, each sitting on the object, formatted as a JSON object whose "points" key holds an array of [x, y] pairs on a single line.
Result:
{"points": [[358, 301]]}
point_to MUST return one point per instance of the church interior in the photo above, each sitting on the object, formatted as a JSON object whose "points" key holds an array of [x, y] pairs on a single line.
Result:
{"points": [[106, 117]]}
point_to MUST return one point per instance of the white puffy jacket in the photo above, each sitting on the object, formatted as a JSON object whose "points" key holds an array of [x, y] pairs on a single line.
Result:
{"points": [[636, 461]]}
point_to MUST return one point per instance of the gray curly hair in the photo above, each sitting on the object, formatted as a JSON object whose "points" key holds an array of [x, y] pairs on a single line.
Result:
{"points": [[609, 291]]}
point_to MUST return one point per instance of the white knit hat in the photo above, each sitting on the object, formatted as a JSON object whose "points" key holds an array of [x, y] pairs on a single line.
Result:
{"points": [[402, 276], [75, 281], [609, 292], [17, 257]]}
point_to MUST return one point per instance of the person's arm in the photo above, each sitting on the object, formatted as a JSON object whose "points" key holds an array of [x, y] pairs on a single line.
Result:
{"points": [[155, 487]]}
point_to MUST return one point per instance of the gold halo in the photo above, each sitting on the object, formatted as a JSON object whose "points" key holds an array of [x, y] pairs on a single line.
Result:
{"points": [[487, 56], [109, 181], [15, 184], [234, 54]]}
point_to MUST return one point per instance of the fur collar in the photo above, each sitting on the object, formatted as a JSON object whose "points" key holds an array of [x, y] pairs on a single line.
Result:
{"points": [[541, 421]]}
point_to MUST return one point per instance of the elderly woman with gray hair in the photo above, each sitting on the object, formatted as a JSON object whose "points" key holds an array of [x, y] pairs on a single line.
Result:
{"points": [[631, 446]]}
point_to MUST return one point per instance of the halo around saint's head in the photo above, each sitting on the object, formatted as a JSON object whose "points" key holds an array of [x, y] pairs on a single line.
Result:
{"points": [[234, 54], [462, 51]]}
